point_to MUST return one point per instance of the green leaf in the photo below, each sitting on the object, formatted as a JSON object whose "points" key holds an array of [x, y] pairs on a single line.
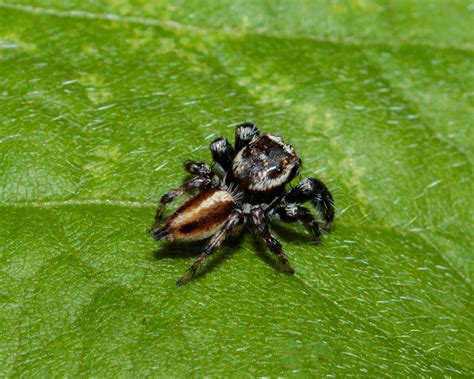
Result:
{"points": [[102, 102]]}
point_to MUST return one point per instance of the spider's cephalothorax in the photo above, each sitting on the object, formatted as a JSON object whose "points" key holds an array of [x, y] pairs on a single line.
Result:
{"points": [[248, 188], [263, 167]]}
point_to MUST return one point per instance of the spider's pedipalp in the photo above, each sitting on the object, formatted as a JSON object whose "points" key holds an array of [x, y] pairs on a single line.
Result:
{"points": [[222, 154], [245, 133]]}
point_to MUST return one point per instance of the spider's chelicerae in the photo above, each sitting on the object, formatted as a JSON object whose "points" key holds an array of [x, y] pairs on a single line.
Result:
{"points": [[248, 188]]}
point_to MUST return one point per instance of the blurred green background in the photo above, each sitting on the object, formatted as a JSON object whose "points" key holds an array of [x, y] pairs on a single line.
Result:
{"points": [[102, 101]]}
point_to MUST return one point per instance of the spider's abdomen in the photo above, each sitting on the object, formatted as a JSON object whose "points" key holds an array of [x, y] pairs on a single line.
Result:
{"points": [[201, 216], [266, 164]]}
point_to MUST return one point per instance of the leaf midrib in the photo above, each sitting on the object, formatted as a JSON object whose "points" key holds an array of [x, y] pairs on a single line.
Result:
{"points": [[401, 230]]}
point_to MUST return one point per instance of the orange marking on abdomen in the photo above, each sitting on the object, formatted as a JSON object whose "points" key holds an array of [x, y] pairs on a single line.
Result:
{"points": [[201, 216]]}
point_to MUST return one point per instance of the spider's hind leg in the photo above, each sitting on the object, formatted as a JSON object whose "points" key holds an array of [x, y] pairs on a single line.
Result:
{"points": [[216, 241], [316, 191]]}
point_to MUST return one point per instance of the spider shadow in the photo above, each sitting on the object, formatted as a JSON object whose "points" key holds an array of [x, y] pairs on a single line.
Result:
{"points": [[287, 233], [283, 233], [265, 255], [179, 250], [195, 249], [173, 250]]}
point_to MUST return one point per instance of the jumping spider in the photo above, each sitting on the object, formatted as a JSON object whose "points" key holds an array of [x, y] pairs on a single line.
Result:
{"points": [[248, 188]]}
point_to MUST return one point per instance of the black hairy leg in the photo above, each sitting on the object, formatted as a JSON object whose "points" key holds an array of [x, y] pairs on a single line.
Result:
{"points": [[216, 241], [222, 154], [263, 231], [244, 184], [311, 189], [199, 182], [198, 168], [244, 134], [296, 213]]}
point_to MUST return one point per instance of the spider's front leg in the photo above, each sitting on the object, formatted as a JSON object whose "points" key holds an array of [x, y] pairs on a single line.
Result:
{"points": [[263, 231], [245, 133], [222, 154], [295, 213], [204, 179], [216, 241], [316, 191]]}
